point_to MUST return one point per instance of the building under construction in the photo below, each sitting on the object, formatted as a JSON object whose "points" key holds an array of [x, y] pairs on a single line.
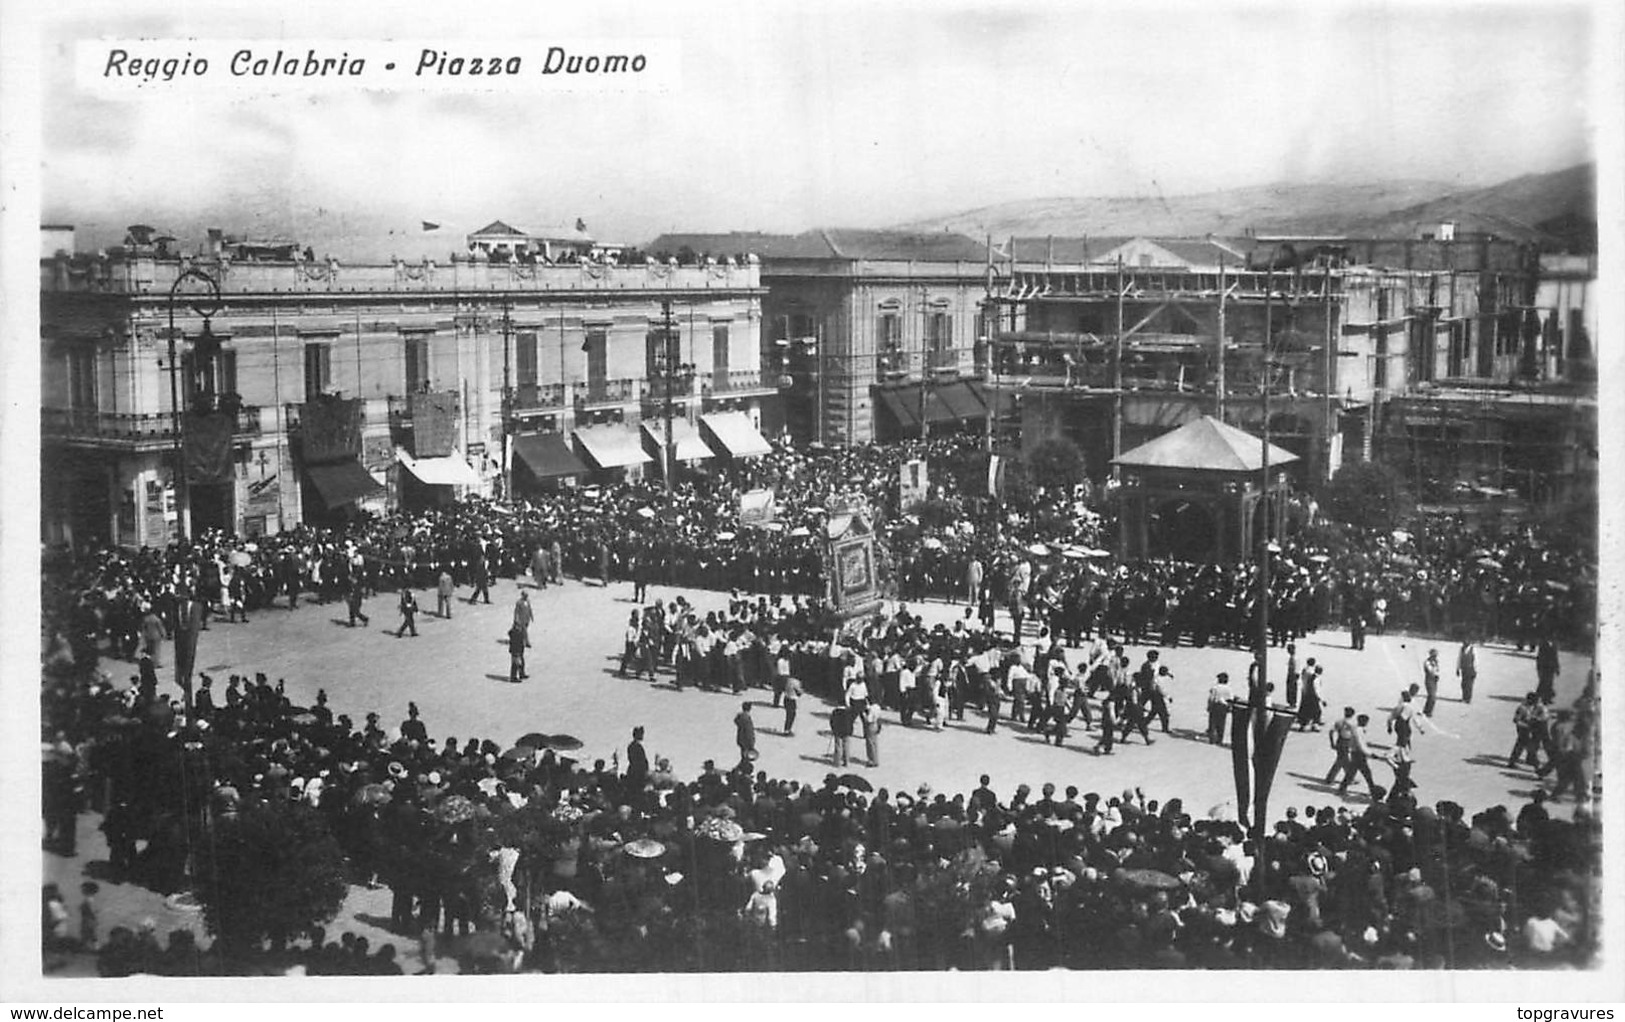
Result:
{"points": [[1464, 362]]}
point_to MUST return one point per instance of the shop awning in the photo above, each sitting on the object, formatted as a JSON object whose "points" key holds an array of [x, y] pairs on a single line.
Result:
{"points": [[732, 432], [690, 446], [904, 403], [548, 456], [892, 401], [611, 446], [962, 400], [448, 471], [342, 482], [1001, 399]]}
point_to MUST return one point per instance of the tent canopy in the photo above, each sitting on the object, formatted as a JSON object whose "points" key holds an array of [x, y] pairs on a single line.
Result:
{"points": [[611, 446], [342, 482], [1206, 444], [547, 455], [733, 433], [448, 471], [690, 447]]}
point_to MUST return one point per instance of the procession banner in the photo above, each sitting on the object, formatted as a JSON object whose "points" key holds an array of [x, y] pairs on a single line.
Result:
{"points": [[913, 483], [1241, 757], [206, 445], [434, 423], [757, 508], [330, 429]]}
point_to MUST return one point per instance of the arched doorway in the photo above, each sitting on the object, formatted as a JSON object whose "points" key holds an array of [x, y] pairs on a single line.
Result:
{"points": [[1183, 530]]}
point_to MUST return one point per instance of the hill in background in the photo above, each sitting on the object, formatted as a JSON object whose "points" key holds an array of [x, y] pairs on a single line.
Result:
{"points": [[1558, 208]]}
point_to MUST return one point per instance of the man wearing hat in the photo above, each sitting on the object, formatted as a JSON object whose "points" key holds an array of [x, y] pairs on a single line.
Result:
{"points": [[745, 733], [637, 763], [1430, 681], [1218, 707]]}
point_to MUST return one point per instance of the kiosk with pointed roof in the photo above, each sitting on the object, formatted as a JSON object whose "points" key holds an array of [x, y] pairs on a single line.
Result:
{"points": [[1194, 493]]}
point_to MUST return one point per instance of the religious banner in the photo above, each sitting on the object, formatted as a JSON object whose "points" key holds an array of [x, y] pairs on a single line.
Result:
{"points": [[757, 508], [330, 429], [434, 423], [206, 446], [913, 483]]}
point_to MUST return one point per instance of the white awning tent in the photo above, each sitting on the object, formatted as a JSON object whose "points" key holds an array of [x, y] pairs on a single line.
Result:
{"points": [[690, 447], [734, 434], [611, 446], [447, 471]]}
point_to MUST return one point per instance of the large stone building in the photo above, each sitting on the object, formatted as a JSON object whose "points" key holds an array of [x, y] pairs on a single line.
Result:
{"points": [[1459, 360], [442, 366], [875, 333]]}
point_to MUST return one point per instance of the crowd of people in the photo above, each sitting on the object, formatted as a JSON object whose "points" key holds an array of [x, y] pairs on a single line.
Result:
{"points": [[562, 866], [566, 867]]}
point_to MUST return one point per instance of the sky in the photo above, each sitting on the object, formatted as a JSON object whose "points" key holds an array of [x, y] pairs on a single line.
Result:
{"points": [[789, 116]]}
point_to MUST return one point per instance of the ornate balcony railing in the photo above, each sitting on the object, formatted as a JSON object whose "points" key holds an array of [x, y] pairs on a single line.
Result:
{"points": [[737, 381], [134, 427]]}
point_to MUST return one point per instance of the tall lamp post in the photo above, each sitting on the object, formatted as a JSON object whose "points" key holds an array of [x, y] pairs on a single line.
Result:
{"points": [[205, 304], [672, 371], [1261, 710]]}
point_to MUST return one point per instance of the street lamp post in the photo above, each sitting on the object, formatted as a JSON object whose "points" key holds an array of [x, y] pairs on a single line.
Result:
{"points": [[672, 369], [205, 306]]}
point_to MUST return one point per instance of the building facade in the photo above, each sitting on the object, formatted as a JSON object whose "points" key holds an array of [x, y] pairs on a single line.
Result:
{"points": [[495, 350], [874, 333], [1461, 359]]}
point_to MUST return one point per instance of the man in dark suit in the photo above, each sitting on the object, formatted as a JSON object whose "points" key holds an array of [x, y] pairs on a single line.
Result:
{"points": [[482, 576], [745, 733], [637, 763]]}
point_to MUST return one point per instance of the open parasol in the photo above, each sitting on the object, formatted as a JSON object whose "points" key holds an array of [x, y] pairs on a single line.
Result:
{"points": [[373, 795], [1152, 879], [725, 536], [303, 719], [520, 752], [563, 743], [1038, 550], [454, 809], [242, 558], [931, 543], [534, 739], [645, 848], [1488, 562], [856, 782], [718, 829]]}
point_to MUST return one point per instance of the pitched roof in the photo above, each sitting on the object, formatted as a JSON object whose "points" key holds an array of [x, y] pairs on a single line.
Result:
{"points": [[498, 227], [830, 243], [1195, 251], [931, 247], [1204, 443]]}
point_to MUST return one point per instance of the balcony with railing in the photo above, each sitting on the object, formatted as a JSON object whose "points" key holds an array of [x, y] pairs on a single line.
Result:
{"points": [[529, 397], [606, 392], [139, 428], [739, 383]]}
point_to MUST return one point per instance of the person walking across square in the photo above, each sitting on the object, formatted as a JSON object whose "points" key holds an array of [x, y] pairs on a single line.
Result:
{"points": [[409, 614], [444, 587]]}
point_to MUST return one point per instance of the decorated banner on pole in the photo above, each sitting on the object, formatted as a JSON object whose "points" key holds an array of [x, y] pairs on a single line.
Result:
{"points": [[757, 508], [206, 447], [913, 483]]}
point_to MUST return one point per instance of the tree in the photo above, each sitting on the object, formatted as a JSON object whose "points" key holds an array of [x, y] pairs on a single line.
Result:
{"points": [[271, 871], [1366, 494], [1056, 463]]}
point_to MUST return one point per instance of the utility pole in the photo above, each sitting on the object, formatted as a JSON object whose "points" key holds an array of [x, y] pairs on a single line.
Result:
{"points": [[1219, 402], [507, 400], [669, 364], [1117, 373]]}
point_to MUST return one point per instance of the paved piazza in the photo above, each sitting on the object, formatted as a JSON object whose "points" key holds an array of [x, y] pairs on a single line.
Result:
{"points": [[456, 671]]}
